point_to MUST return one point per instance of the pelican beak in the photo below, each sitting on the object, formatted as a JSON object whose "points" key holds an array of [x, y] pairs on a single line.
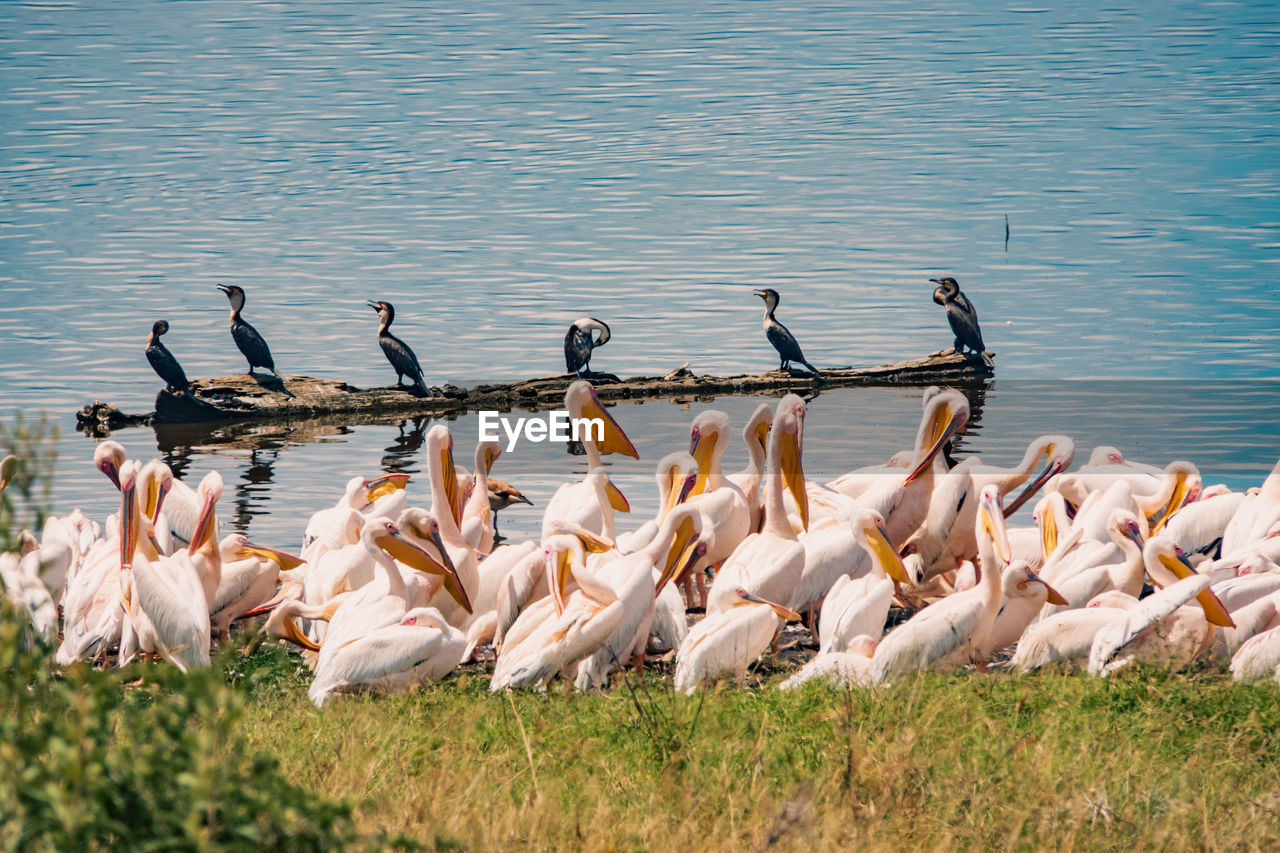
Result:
{"points": [[204, 524], [1134, 535], [762, 433], [786, 614], [701, 452], [1048, 533], [793, 474], [112, 472], [1215, 612], [294, 635], [677, 491], [683, 544], [889, 559], [385, 485], [411, 555], [1054, 467], [946, 423], [1055, 597], [591, 543], [993, 523], [265, 607], [130, 529], [559, 564], [613, 440], [283, 559], [617, 499], [453, 494], [1181, 492]]}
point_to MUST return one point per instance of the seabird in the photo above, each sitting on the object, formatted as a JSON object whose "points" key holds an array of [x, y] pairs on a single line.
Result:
{"points": [[162, 361], [782, 339], [962, 316], [578, 344], [502, 495], [398, 352], [246, 337]]}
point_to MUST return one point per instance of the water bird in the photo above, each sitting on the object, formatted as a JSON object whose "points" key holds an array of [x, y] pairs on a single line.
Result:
{"points": [[579, 343], [247, 339], [398, 352], [162, 361], [781, 338], [962, 316]]}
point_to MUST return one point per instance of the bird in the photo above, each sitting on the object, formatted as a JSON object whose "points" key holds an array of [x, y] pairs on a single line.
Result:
{"points": [[962, 316], [502, 495], [162, 361], [579, 343], [782, 339], [729, 641], [398, 352], [247, 339]]}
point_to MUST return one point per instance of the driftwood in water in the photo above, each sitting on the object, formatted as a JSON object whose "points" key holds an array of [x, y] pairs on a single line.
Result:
{"points": [[258, 396]]}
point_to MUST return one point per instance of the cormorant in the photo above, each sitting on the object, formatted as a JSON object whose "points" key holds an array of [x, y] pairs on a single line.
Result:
{"points": [[962, 316], [578, 344], [398, 352], [162, 361], [246, 337], [783, 341]]}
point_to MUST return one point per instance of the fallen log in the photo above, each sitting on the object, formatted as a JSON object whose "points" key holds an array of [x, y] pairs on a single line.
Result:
{"points": [[257, 396]]}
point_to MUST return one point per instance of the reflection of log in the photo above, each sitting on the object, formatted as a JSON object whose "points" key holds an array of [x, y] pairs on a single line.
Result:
{"points": [[246, 397]]}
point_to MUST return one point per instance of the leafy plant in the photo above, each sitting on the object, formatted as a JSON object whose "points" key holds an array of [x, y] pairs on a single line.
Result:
{"points": [[26, 500]]}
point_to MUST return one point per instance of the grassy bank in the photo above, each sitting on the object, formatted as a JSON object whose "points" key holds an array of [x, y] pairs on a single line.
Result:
{"points": [[1148, 759]]}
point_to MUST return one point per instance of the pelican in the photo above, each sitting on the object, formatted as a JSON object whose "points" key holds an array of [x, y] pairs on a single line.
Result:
{"points": [[852, 666], [1158, 629], [398, 352], [1067, 637], [162, 361], [726, 515], [579, 343], [1022, 594], [109, 457], [676, 475], [362, 495], [592, 502], [20, 582], [962, 317], [477, 512], [728, 641], [1088, 582], [421, 647], [249, 576], [446, 508], [8, 467], [247, 339], [769, 563], [955, 629], [755, 434], [1199, 526], [782, 339], [853, 548]]}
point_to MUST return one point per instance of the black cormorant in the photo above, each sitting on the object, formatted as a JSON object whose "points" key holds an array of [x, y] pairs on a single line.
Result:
{"points": [[246, 337], [962, 316], [783, 341], [162, 361], [578, 344], [398, 352]]}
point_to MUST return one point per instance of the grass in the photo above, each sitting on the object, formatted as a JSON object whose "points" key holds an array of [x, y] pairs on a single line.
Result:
{"points": [[1150, 759]]}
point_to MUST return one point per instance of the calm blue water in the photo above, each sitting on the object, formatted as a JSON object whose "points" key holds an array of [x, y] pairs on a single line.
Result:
{"points": [[497, 171]]}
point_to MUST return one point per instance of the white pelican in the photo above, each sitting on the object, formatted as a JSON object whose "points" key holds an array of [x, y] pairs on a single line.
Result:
{"points": [[519, 559], [1166, 566], [1199, 526], [953, 630], [852, 666], [1087, 582], [1158, 629], [676, 475], [726, 515], [421, 647], [728, 641], [755, 434], [446, 508], [477, 514], [1022, 594], [1067, 637], [109, 457], [852, 548], [361, 494], [581, 503], [1256, 519], [20, 583], [769, 563], [249, 577], [167, 591]]}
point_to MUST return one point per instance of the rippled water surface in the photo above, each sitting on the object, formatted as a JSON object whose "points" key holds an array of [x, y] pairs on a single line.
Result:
{"points": [[497, 170]]}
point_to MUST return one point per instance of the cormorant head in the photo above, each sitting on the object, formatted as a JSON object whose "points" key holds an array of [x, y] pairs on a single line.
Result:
{"points": [[769, 295], [383, 308], [159, 327], [235, 295]]}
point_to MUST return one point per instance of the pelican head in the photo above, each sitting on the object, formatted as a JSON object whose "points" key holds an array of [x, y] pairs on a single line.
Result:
{"points": [[786, 614], [207, 496], [8, 466], [1020, 581], [1166, 564], [945, 414], [581, 401], [868, 529], [108, 457]]}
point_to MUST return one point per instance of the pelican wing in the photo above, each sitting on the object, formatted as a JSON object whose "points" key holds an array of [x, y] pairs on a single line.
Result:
{"points": [[1113, 637], [397, 656], [171, 596], [853, 608], [931, 635]]}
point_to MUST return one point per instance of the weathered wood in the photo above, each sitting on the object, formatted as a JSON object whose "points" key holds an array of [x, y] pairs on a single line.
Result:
{"points": [[298, 397]]}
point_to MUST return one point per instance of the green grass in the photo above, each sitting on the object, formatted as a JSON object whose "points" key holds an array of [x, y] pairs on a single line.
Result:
{"points": [[1145, 760]]}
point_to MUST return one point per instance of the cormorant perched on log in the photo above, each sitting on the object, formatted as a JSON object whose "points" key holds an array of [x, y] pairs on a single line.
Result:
{"points": [[578, 344], [398, 352], [162, 361], [246, 337], [962, 316], [782, 339]]}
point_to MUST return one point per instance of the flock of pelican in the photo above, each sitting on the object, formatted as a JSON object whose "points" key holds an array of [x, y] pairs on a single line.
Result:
{"points": [[1123, 562]]}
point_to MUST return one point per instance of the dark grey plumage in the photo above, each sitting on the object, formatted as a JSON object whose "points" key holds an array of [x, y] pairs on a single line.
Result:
{"points": [[162, 361], [579, 343], [962, 317], [398, 352], [247, 339], [781, 338]]}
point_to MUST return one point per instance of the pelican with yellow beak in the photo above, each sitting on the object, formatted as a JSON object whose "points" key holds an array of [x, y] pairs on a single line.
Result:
{"points": [[755, 434], [250, 575], [477, 513], [769, 563], [582, 503], [951, 632], [726, 515], [361, 494], [446, 509], [676, 475], [727, 642]]}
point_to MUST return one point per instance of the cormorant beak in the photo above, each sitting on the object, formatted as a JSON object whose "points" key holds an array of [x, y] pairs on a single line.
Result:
{"points": [[224, 289], [374, 306]]}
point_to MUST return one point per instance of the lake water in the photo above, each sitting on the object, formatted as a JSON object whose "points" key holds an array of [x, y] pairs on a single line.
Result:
{"points": [[499, 170]]}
